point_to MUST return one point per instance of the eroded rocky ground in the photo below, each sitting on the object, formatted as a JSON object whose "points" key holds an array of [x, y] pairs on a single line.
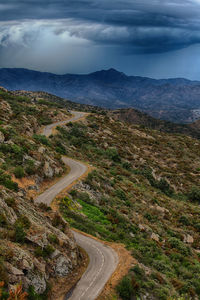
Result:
{"points": [[35, 243]]}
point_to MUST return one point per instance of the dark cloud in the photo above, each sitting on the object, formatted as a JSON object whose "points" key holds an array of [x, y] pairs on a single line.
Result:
{"points": [[76, 31], [138, 26]]}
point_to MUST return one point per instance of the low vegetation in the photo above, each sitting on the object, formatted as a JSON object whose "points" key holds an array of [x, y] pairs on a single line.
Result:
{"points": [[144, 192]]}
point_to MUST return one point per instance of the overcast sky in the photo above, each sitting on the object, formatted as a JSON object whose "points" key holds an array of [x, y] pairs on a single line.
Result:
{"points": [[155, 38]]}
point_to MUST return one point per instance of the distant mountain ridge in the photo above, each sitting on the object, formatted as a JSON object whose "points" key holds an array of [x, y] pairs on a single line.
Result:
{"points": [[175, 99]]}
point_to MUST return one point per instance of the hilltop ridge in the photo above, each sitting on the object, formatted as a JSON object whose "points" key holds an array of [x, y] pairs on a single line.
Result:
{"points": [[175, 99]]}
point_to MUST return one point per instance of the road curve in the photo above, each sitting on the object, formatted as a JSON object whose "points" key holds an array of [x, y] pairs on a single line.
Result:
{"points": [[76, 115], [103, 259], [103, 262]]}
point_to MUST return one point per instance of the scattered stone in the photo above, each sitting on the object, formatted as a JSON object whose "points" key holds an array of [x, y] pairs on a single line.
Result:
{"points": [[2, 138], [155, 237], [188, 239], [62, 266], [48, 171]]}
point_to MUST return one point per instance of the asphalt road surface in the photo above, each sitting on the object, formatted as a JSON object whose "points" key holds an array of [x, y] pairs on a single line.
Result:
{"points": [[103, 259]]}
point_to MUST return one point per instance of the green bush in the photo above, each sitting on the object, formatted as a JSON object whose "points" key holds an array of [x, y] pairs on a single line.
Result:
{"points": [[5, 180], [120, 194], [30, 168], [58, 222], [20, 234], [41, 139], [194, 194], [23, 221], [3, 220], [177, 244], [112, 153], [11, 202], [44, 207], [44, 252], [184, 220], [32, 295], [3, 271], [53, 238], [125, 288], [19, 172]]}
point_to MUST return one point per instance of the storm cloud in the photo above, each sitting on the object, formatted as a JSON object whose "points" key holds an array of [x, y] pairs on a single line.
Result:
{"points": [[93, 27]]}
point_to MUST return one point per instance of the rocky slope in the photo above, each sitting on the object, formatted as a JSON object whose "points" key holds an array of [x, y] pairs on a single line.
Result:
{"points": [[35, 243], [174, 100], [145, 193]]}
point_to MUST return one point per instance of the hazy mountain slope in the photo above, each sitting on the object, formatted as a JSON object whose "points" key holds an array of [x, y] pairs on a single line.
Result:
{"points": [[136, 117], [168, 99]]}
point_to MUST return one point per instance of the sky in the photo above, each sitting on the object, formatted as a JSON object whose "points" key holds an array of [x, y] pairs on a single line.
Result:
{"points": [[154, 38]]}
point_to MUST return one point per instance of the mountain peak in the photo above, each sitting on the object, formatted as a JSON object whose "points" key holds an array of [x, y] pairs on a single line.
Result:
{"points": [[109, 74]]}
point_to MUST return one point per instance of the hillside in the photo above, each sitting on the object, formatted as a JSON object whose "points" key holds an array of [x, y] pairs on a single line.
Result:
{"points": [[144, 192], [36, 245], [175, 100], [136, 117]]}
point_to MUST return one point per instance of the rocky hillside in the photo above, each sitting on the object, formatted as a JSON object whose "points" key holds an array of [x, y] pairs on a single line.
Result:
{"points": [[36, 245], [175, 100], [144, 192]]}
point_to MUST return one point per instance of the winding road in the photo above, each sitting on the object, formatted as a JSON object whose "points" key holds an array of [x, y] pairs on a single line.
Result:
{"points": [[103, 259]]}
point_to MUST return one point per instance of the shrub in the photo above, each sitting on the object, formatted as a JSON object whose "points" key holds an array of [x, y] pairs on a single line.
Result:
{"points": [[5, 180], [32, 295], [58, 222], [125, 288], [184, 220], [23, 221], [30, 169], [120, 194], [3, 271], [19, 172], [53, 238], [44, 252], [126, 165], [41, 139], [44, 207], [194, 194], [3, 293], [164, 186], [177, 244], [19, 234], [112, 153], [3, 220], [11, 202]]}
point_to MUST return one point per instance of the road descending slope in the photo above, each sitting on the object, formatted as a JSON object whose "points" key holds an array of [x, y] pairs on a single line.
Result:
{"points": [[103, 259]]}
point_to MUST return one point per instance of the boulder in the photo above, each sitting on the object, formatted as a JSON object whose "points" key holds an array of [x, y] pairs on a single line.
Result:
{"points": [[155, 237], [48, 171], [188, 239], [62, 266], [37, 281], [39, 240]]}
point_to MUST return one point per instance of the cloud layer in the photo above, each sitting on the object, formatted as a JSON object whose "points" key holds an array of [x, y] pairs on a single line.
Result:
{"points": [[128, 27], [153, 27]]}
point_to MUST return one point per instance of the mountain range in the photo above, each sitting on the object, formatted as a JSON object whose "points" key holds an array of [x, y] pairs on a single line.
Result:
{"points": [[176, 99]]}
